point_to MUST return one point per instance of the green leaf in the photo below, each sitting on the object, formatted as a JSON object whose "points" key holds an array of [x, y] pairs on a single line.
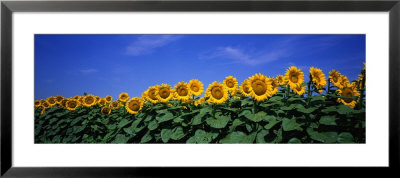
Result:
{"points": [[148, 118], [343, 109], [291, 99], [198, 119], [261, 136], [123, 123], [220, 121], [246, 102], [130, 130], [345, 137], [325, 137], [152, 125], [276, 98], [328, 120], [287, 108], [290, 124], [120, 139], [146, 137], [166, 135], [329, 109], [238, 137], [177, 133], [294, 140], [302, 109], [249, 128], [166, 116], [201, 136]]}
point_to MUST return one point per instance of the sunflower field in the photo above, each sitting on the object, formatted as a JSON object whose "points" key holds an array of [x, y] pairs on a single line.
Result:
{"points": [[281, 109]]}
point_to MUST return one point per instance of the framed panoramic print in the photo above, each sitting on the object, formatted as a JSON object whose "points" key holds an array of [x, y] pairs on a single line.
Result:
{"points": [[103, 88]]}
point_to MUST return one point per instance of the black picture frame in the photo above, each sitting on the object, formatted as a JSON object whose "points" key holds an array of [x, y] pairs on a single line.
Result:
{"points": [[8, 7]]}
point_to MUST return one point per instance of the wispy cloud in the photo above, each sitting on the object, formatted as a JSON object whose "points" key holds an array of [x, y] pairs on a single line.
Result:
{"points": [[88, 71], [147, 43], [246, 57]]}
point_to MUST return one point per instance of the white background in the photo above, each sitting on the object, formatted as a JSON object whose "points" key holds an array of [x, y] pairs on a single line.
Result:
{"points": [[373, 153]]}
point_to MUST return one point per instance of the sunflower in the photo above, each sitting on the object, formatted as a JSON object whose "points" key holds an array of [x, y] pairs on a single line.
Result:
{"points": [[80, 99], [294, 76], [76, 97], [200, 101], [51, 100], [299, 89], [123, 97], [334, 78], [245, 88], [37, 103], [164, 93], [134, 105], [150, 94], [89, 100], [261, 87], [234, 92], [348, 90], [217, 93], [44, 103], [230, 83], [182, 91], [43, 111], [344, 81], [281, 80], [115, 105], [196, 87], [63, 103], [102, 101], [59, 98], [72, 104], [108, 99], [97, 99], [106, 110], [275, 86], [318, 78]]}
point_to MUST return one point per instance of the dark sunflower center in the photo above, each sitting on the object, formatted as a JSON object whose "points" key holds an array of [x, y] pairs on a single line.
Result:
{"points": [[134, 106], [347, 93], [182, 91], [114, 104], [152, 94], [89, 100], [72, 104], [108, 98], [217, 93], [294, 78], [164, 93], [230, 84], [106, 110], [259, 87], [246, 89], [195, 88]]}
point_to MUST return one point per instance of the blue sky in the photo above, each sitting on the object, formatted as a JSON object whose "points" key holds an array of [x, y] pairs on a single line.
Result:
{"points": [[103, 65]]}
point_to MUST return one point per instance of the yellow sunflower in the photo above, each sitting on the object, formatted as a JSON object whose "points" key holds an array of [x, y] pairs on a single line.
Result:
{"points": [[59, 98], [97, 99], [37, 103], [300, 90], [51, 100], [294, 76], [108, 99], [115, 104], [348, 90], [164, 93], [275, 86], [63, 103], [103, 101], [318, 78], [200, 101], [334, 78], [217, 93], [134, 105], [344, 81], [80, 99], [182, 91], [106, 110], [245, 88], [261, 87], [151, 94], [281, 80], [72, 104], [44, 104], [196, 87], [89, 100], [43, 111], [76, 97], [123, 97], [230, 83]]}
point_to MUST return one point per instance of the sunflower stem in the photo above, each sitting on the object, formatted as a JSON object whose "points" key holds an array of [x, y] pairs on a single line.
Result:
{"points": [[329, 87], [309, 92]]}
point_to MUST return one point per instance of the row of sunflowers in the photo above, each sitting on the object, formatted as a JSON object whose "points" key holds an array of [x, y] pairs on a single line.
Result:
{"points": [[258, 87]]}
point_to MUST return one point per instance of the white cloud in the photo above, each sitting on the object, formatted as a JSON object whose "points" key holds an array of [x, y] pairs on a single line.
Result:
{"points": [[146, 43], [249, 57]]}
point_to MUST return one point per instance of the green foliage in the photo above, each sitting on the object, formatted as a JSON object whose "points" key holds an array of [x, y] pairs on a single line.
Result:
{"points": [[276, 120]]}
